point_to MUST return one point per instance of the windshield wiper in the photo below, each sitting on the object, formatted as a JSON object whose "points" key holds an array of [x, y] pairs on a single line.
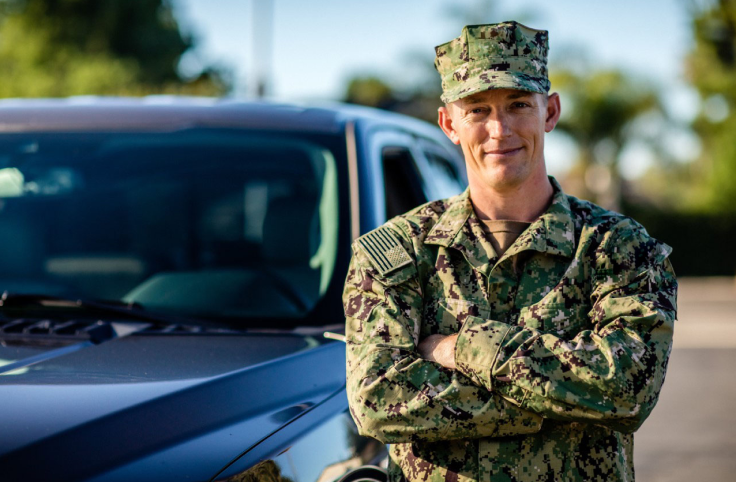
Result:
{"points": [[127, 310]]}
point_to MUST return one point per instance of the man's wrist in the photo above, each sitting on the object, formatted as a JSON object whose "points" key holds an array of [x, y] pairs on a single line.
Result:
{"points": [[446, 348], [439, 349]]}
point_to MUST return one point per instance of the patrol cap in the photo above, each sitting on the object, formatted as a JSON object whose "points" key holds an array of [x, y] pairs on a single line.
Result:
{"points": [[506, 55]]}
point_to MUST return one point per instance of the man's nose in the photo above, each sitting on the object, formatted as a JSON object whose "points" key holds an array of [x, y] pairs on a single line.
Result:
{"points": [[498, 125]]}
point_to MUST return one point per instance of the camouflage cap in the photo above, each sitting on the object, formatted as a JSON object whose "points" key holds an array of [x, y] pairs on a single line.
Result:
{"points": [[505, 55]]}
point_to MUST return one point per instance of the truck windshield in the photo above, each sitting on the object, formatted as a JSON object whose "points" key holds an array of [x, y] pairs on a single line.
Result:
{"points": [[200, 222]]}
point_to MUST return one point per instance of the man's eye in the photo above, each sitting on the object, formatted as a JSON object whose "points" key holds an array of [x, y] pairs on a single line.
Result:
{"points": [[520, 105], [477, 110]]}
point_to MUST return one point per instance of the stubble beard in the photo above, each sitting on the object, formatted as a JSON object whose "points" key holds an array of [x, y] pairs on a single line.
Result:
{"points": [[503, 177]]}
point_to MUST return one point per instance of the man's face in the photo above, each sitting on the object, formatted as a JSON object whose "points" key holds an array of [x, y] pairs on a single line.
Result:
{"points": [[501, 132]]}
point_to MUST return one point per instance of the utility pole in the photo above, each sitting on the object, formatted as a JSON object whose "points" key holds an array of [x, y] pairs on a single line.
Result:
{"points": [[261, 43]]}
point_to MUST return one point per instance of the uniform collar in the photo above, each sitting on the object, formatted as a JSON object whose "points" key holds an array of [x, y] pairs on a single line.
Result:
{"points": [[459, 228]]}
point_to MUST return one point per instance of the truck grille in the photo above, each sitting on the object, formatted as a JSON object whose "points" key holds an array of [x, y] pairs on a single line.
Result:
{"points": [[72, 330]]}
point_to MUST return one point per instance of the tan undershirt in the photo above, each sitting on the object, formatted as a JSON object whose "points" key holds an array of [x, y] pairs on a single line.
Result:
{"points": [[502, 233]]}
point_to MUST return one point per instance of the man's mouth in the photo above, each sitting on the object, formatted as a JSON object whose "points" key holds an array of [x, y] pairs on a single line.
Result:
{"points": [[503, 152]]}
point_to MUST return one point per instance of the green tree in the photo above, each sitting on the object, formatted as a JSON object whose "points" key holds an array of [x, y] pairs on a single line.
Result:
{"points": [[599, 111], [55, 48], [371, 91], [420, 101], [711, 67]]}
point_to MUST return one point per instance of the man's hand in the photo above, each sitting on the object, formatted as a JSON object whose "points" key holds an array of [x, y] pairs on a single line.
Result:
{"points": [[439, 349]]}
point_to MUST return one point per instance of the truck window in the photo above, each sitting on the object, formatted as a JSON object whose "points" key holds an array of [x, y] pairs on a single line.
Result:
{"points": [[401, 181]]}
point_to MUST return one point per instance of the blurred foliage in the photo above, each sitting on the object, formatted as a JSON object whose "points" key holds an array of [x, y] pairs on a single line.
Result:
{"points": [[370, 91], [600, 105], [711, 67], [599, 111], [421, 102], [54, 48]]}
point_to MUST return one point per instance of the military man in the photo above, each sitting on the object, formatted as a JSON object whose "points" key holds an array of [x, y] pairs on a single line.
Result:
{"points": [[513, 332]]}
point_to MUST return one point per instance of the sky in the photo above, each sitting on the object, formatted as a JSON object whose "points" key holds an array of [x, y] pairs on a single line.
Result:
{"points": [[310, 48]]}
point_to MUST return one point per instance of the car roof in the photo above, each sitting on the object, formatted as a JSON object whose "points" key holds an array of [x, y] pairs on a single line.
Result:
{"points": [[168, 113]]}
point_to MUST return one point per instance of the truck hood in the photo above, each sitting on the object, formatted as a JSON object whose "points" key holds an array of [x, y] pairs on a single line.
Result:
{"points": [[90, 407]]}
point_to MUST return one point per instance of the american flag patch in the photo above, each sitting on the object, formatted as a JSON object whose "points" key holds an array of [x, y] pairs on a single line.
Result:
{"points": [[384, 250]]}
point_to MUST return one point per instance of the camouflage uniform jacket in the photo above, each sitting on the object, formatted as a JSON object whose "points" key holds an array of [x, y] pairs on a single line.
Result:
{"points": [[562, 342]]}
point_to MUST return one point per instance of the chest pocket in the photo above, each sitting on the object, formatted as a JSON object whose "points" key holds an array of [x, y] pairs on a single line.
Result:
{"points": [[557, 320], [446, 316]]}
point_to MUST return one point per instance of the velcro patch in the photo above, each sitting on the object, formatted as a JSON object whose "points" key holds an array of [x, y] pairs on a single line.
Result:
{"points": [[384, 250]]}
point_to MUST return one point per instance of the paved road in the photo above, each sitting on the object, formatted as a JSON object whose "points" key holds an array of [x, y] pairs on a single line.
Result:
{"points": [[691, 435]]}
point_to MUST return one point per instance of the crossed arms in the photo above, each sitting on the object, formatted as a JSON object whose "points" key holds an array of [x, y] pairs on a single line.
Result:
{"points": [[506, 379]]}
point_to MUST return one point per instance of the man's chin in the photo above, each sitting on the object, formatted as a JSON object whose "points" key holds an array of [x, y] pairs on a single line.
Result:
{"points": [[505, 178]]}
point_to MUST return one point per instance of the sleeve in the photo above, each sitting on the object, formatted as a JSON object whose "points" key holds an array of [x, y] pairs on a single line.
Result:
{"points": [[394, 395], [609, 375]]}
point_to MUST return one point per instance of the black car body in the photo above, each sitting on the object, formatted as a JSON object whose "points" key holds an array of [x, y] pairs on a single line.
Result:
{"points": [[168, 269]]}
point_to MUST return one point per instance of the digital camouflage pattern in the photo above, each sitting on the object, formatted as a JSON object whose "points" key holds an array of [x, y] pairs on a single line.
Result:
{"points": [[562, 348], [505, 55]]}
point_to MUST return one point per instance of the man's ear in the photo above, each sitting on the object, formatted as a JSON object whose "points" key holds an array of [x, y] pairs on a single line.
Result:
{"points": [[553, 112], [445, 122]]}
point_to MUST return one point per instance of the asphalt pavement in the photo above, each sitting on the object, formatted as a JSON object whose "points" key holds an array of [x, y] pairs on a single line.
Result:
{"points": [[691, 435]]}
